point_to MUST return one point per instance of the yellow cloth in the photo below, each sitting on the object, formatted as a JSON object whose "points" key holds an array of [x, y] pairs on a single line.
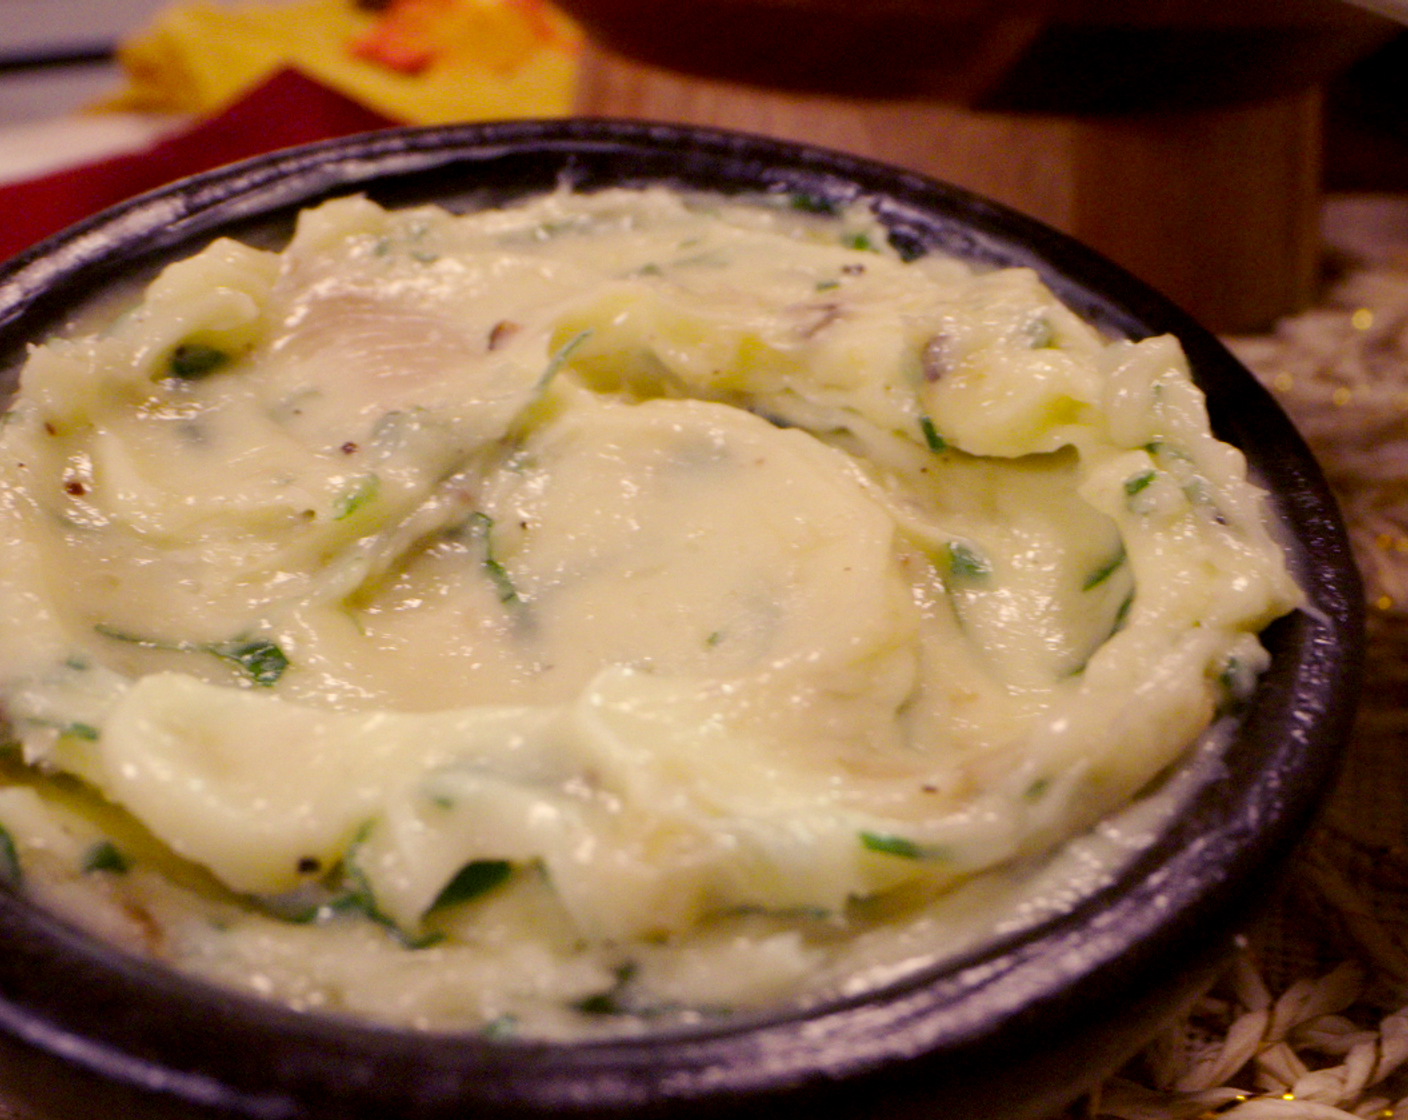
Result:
{"points": [[490, 58]]}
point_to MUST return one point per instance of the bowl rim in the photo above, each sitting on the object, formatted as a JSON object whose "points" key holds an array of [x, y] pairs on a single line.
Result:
{"points": [[1158, 910]]}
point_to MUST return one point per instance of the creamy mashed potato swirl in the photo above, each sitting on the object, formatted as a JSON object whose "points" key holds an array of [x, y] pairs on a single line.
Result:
{"points": [[604, 610]]}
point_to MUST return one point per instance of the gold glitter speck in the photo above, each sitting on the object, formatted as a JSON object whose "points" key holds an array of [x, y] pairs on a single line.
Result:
{"points": [[1384, 603], [1362, 319]]}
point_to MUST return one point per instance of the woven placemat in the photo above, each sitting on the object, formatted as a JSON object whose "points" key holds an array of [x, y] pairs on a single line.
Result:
{"points": [[1311, 1021]]}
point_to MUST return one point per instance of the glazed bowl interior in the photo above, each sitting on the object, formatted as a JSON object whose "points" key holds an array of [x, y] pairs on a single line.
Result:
{"points": [[1013, 1028]]}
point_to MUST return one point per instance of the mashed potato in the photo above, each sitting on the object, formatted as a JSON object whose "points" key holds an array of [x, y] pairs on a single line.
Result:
{"points": [[608, 610]]}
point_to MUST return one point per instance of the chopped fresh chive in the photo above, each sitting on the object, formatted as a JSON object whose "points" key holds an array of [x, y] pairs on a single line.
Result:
{"points": [[1162, 447], [613, 1001], [483, 524], [473, 879], [907, 247], [560, 356], [1122, 615], [932, 439], [859, 241], [812, 203], [359, 494], [891, 845], [363, 904], [10, 873], [105, 856], [357, 898], [1105, 571], [79, 731], [714, 639], [966, 563], [1037, 790], [503, 583], [136, 640], [787, 913], [827, 285], [1136, 483], [193, 360], [261, 659]]}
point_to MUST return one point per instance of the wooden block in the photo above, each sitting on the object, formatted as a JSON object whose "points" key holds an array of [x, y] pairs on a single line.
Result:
{"points": [[1215, 207]]}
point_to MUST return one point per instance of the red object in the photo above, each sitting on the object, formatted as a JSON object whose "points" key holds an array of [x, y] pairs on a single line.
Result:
{"points": [[286, 109]]}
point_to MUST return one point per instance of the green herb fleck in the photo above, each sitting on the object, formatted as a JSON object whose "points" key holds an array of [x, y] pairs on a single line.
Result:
{"points": [[358, 495], [483, 525], [891, 845], [827, 285], [1122, 615], [560, 356], [260, 658], [1168, 450], [859, 241], [966, 563], [357, 898], [79, 731], [1037, 790], [932, 439], [1137, 483], [812, 203], [1105, 571], [105, 856], [193, 360], [10, 873], [614, 1000], [503, 583], [714, 639], [473, 879]]}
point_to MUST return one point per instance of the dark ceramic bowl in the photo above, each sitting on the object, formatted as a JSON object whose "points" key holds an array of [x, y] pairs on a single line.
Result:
{"points": [[1014, 1029]]}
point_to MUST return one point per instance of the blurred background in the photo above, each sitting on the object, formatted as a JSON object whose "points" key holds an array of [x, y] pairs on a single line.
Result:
{"points": [[1193, 141]]}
